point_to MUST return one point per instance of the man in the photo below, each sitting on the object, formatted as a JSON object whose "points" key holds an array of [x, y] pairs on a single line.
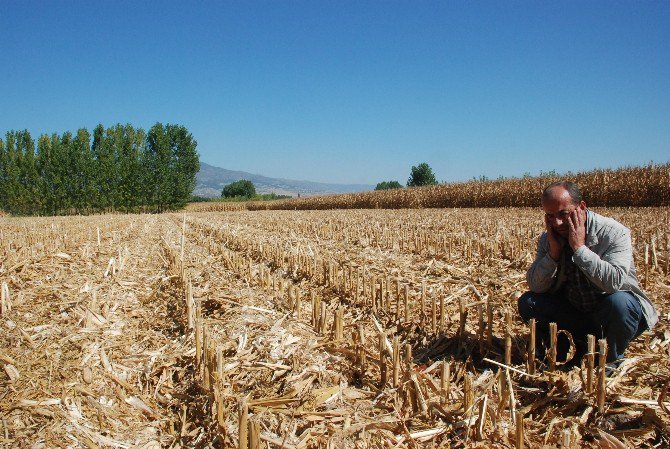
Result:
{"points": [[583, 278]]}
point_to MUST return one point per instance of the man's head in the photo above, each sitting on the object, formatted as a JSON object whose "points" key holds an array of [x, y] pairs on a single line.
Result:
{"points": [[559, 199]]}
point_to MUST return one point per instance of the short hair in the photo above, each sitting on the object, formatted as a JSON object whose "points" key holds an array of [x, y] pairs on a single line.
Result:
{"points": [[571, 187]]}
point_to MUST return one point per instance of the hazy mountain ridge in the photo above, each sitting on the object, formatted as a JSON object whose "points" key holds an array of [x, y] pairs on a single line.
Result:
{"points": [[210, 180]]}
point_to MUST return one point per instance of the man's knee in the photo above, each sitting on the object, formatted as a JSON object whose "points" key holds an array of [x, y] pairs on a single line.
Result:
{"points": [[620, 305], [622, 312]]}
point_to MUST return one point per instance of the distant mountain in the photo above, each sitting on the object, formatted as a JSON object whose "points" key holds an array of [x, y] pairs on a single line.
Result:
{"points": [[210, 181]]}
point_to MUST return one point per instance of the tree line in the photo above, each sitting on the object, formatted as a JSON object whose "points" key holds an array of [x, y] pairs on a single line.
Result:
{"points": [[120, 168]]}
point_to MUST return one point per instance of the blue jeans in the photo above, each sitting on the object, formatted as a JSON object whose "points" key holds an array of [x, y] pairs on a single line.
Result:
{"points": [[617, 317]]}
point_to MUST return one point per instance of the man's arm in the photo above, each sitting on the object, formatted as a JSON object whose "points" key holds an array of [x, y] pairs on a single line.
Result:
{"points": [[609, 271], [543, 272]]}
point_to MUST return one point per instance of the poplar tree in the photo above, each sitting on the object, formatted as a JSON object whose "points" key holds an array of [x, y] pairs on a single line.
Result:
{"points": [[129, 144], [158, 164], [184, 164], [3, 193], [67, 190], [83, 170], [28, 198], [11, 185], [45, 168], [105, 165], [59, 162]]}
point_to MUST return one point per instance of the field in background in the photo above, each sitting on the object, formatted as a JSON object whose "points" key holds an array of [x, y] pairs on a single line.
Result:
{"points": [[305, 329], [625, 187]]}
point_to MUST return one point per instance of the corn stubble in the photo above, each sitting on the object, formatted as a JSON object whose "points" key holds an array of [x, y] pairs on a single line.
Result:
{"points": [[308, 329]]}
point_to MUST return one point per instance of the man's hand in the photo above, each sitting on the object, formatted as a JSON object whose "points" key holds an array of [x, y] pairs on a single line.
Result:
{"points": [[556, 242], [577, 232]]}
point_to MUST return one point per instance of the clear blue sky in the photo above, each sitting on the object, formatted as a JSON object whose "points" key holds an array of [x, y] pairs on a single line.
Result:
{"points": [[353, 91]]}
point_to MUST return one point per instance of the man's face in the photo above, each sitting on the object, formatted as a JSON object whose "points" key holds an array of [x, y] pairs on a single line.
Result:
{"points": [[557, 209]]}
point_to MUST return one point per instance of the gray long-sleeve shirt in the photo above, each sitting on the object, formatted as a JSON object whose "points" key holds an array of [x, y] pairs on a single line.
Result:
{"points": [[606, 259]]}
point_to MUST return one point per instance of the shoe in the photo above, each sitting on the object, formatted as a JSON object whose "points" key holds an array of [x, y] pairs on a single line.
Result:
{"points": [[612, 367]]}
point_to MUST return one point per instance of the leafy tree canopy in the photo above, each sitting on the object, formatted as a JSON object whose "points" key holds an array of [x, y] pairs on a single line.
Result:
{"points": [[386, 185], [243, 187], [421, 175], [123, 168]]}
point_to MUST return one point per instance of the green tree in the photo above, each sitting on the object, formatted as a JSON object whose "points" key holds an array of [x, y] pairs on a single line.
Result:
{"points": [[29, 199], [421, 175], [4, 158], [241, 188], [105, 168], [45, 168], [68, 170], [387, 185], [128, 143], [172, 163], [158, 164], [81, 172], [184, 164], [59, 161], [18, 174], [11, 183]]}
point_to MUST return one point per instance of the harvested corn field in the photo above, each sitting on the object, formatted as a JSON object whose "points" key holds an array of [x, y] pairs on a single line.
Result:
{"points": [[307, 329]]}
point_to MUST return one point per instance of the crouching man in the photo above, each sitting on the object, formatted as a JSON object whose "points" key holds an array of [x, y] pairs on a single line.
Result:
{"points": [[583, 278]]}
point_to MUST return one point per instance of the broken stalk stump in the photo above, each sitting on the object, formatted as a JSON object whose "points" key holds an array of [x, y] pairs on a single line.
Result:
{"points": [[463, 317], [444, 382], [405, 298], [553, 337], [482, 327], [508, 338], [396, 361], [220, 419], [243, 424], [361, 350], [198, 343], [322, 318], [433, 315], [602, 378], [489, 327], [590, 362], [297, 304], [531, 347], [189, 304], [382, 361], [409, 359], [442, 314], [254, 435], [422, 306], [315, 310], [338, 325], [519, 431], [5, 304], [468, 393]]}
